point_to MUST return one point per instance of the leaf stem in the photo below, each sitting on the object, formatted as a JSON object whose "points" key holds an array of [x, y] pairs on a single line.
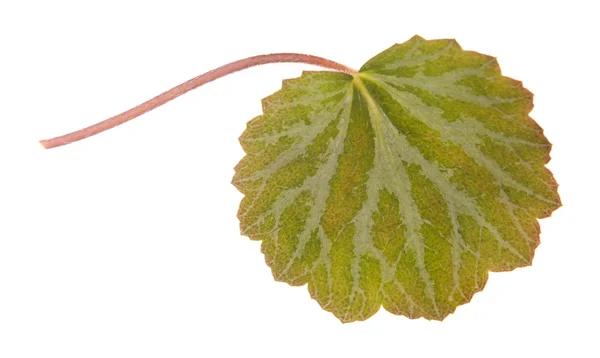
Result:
{"points": [[188, 86]]}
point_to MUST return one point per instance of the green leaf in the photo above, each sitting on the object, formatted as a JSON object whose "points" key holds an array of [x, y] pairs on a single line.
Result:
{"points": [[401, 186]]}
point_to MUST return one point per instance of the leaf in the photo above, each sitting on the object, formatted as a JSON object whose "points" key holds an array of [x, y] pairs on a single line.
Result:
{"points": [[401, 186]]}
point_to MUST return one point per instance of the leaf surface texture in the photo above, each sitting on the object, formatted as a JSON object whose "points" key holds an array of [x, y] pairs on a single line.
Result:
{"points": [[401, 186]]}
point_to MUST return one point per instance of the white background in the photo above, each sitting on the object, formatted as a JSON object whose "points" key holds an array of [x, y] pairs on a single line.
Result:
{"points": [[127, 244]]}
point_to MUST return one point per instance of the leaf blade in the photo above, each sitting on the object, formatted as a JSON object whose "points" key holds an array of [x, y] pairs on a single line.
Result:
{"points": [[401, 186]]}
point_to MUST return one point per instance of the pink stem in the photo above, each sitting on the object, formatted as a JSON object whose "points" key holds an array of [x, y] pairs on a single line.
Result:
{"points": [[188, 86]]}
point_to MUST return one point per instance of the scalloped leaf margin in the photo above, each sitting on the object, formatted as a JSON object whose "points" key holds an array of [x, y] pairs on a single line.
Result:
{"points": [[401, 186]]}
